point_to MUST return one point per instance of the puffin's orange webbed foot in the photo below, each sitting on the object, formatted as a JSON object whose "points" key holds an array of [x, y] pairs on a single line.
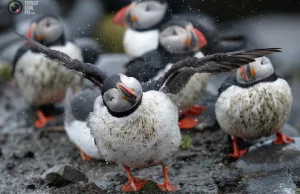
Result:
{"points": [[134, 184], [85, 157], [42, 120], [196, 110], [236, 152], [187, 123], [283, 139], [166, 186]]}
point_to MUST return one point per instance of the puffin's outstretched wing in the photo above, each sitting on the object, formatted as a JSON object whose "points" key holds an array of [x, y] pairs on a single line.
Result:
{"points": [[177, 77], [87, 70]]}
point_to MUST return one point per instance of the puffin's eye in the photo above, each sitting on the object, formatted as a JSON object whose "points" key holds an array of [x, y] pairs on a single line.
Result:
{"points": [[111, 98], [174, 33], [48, 23], [132, 89], [147, 8]]}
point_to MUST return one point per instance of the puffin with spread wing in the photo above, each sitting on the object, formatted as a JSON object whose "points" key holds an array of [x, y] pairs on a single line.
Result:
{"points": [[134, 125]]}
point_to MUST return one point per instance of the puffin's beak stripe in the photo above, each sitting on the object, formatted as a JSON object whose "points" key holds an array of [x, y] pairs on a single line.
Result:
{"points": [[29, 33], [252, 72], [31, 30], [134, 19], [126, 91], [187, 41], [39, 37]]}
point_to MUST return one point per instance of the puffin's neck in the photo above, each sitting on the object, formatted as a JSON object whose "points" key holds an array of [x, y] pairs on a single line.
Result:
{"points": [[173, 57], [271, 78], [125, 113], [59, 42]]}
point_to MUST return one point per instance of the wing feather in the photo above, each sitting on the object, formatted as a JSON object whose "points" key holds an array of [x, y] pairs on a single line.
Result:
{"points": [[179, 74], [87, 70]]}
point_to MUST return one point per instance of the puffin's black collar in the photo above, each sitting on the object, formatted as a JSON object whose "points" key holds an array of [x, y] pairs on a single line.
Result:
{"points": [[271, 78], [232, 81], [60, 42], [125, 113]]}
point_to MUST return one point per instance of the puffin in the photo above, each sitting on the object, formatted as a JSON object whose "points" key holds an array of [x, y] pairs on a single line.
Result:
{"points": [[134, 125], [43, 82], [77, 107], [142, 19], [179, 39], [254, 103]]}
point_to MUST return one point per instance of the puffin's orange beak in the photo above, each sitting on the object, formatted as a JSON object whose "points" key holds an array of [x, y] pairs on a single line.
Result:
{"points": [[30, 33], [201, 38], [247, 72], [121, 15], [243, 73], [129, 93]]}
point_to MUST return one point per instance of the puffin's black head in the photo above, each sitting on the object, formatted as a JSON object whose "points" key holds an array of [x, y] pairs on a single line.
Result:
{"points": [[180, 36], [256, 71], [142, 15], [121, 94], [46, 30]]}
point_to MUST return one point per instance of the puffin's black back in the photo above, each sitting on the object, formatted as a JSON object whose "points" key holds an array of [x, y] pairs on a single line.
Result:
{"points": [[82, 104], [147, 66]]}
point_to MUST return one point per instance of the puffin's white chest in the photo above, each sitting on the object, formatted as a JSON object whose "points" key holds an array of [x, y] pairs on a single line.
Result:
{"points": [[191, 92], [144, 138], [138, 43], [43, 81], [80, 135], [254, 112]]}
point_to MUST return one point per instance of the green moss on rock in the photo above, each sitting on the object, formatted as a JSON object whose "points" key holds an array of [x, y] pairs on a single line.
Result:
{"points": [[186, 142]]}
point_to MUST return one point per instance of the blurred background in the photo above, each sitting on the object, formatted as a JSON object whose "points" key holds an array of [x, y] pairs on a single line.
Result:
{"points": [[265, 23]]}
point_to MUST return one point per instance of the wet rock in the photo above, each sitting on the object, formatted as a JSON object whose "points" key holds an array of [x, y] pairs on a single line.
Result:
{"points": [[112, 182], [196, 185], [227, 180], [31, 187], [185, 155], [79, 188], [287, 129], [10, 166], [63, 174], [29, 154], [272, 182], [269, 157]]}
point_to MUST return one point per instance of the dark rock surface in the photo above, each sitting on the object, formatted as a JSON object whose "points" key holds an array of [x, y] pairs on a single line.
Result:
{"points": [[79, 188], [63, 174], [269, 157], [274, 182], [203, 168]]}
